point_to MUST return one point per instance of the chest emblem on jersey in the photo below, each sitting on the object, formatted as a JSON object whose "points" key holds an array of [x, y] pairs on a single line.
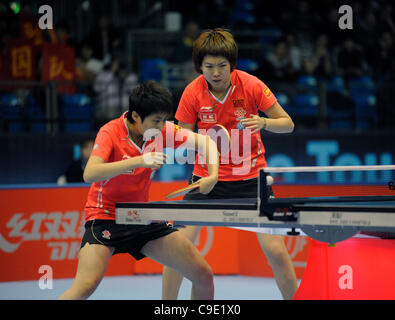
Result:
{"points": [[240, 114], [207, 115], [238, 103]]}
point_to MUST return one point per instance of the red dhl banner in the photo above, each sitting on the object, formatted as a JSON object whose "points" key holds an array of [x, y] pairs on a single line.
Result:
{"points": [[20, 57], [59, 65], [44, 226]]}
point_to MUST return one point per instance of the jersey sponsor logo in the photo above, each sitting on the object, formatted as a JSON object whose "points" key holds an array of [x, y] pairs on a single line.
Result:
{"points": [[206, 109], [208, 117]]}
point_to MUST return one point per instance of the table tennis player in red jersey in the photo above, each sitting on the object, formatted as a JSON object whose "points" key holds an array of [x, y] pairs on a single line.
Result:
{"points": [[125, 155], [232, 98]]}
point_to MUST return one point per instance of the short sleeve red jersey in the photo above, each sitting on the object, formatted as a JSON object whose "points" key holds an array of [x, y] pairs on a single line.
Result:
{"points": [[113, 144], [245, 97]]}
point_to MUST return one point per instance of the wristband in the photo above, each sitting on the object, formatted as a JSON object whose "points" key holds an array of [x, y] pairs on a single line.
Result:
{"points": [[264, 123]]}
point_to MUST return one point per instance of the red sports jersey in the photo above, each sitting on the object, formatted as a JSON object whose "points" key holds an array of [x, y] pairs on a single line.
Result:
{"points": [[113, 144], [246, 96]]}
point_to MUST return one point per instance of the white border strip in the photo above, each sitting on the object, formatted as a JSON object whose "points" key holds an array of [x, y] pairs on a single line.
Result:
{"points": [[329, 168]]}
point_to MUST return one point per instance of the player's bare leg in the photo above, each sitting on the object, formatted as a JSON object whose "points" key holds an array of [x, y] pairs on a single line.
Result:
{"points": [[277, 254], [171, 279], [177, 252], [92, 264]]}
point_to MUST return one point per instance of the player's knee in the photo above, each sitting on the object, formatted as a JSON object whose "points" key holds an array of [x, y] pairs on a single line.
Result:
{"points": [[86, 287], [281, 257], [191, 232], [277, 251], [205, 275]]}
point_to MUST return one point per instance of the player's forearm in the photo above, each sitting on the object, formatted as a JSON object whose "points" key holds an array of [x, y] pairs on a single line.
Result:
{"points": [[103, 171], [208, 148], [278, 125], [212, 158]]}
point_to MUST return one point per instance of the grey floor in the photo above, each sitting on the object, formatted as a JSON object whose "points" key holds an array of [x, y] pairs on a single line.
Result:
{"points": [[146, 287]]}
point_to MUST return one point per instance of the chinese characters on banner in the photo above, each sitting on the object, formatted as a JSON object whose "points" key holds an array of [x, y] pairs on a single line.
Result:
{"points": [[20, 59], [22, 62], [30, 30], [59, 65]]}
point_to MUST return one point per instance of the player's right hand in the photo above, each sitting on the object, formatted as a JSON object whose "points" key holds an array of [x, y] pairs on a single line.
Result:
{"points": [[154, 160], [206, 184]]}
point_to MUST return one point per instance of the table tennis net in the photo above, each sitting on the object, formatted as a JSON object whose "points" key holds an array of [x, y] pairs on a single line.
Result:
{"points": [[358, 181]]}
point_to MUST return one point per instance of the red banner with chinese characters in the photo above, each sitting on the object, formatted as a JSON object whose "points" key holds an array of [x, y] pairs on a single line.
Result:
{"points": [[20, 58], [30, 30], [59, 65], [44, 226]]}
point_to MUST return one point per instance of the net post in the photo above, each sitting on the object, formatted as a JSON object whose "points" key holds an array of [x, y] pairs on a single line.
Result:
{"points": [[263, 193]]}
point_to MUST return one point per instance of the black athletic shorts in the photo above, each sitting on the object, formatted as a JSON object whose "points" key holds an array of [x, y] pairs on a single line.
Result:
{"points": [[228, 190], [124, 238]]}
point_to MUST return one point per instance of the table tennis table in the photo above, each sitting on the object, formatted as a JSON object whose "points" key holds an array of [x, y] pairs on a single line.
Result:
{"points": [[326, 219]]}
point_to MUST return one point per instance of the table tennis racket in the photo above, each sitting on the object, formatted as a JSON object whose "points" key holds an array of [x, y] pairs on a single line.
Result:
{"points": [[220, 135], [193, 188]]}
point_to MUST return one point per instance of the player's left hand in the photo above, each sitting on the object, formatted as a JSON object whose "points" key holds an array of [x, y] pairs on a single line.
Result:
{"points": [[206, 184], [254, 123]]}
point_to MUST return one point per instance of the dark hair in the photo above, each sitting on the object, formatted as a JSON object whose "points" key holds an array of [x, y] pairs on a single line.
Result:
{"points": [[216, 42], [148, 98]]}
